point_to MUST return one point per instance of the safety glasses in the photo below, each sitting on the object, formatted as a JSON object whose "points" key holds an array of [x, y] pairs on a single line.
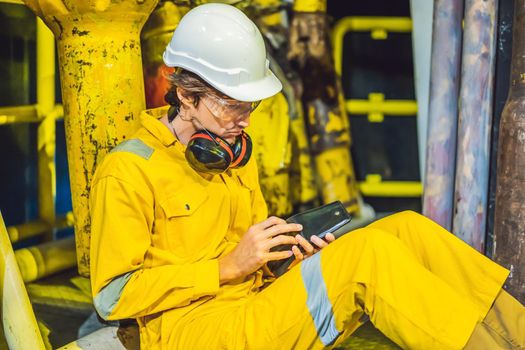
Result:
{"points": [[228, 109]]}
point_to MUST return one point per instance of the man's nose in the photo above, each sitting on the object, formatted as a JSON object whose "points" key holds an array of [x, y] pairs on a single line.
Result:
{"points": [[244, 122]]}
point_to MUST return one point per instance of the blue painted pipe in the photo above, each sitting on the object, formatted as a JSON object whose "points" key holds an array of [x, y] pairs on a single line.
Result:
{"points": [[443, 111], [475, 120]]}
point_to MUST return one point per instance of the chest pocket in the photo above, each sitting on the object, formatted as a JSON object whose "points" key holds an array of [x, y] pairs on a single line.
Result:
{"points": [[185, 218]]}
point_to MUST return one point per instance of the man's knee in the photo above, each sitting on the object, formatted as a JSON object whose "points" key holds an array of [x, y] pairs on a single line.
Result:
{"points": [[367, 236], [408, 215]]}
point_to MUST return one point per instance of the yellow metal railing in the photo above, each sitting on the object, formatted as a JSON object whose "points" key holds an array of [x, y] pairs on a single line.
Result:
{"points": [[376, 107], [377, 26], [44, 113], [373, 186]]}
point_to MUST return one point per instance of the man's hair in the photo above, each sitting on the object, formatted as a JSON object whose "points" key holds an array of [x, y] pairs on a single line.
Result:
{"points": [[192, 85]]}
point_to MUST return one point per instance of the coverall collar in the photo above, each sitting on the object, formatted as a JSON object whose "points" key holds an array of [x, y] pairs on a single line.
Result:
{"points": [[149, 118]]}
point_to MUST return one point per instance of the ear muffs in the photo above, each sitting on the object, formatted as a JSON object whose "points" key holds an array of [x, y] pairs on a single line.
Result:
{"points": [[207, 152]]}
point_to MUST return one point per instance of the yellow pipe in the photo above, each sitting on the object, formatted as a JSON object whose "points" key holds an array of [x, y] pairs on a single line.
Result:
{"points": [[45, 79], [102, 87], [27, 229], [19, 114], [378, 26], [27, 114], [46, 259], [38, 227], [18, 319]]}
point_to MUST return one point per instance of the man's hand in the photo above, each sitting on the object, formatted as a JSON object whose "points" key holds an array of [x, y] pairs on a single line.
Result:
{"points": [[253, 251], [309, 248]]}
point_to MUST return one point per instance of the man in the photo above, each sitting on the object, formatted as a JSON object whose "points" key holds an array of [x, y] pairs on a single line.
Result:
{"points": [[181, 238]]}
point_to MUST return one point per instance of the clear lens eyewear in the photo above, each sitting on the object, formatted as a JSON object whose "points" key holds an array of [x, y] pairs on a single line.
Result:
{"points": [[228, 109]]}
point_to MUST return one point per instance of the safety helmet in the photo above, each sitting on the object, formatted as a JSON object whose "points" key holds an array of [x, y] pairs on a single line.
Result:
{"points": [[220, 44]]}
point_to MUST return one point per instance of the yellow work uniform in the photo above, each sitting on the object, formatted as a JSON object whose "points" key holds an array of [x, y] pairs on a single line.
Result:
{"points": [[158, 229]]}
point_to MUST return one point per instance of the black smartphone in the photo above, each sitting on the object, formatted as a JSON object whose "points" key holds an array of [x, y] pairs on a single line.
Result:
{"points": [[317, 221]]}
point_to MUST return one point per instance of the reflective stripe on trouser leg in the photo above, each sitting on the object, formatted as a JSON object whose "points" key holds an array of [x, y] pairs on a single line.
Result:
{"points": [[317, 301]]}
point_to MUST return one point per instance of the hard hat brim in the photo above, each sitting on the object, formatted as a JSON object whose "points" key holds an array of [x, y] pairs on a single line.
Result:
{"points": [[252, 91]]}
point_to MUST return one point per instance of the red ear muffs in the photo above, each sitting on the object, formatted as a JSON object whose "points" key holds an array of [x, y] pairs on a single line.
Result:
{"points": [[207, 152], [242, 150]]}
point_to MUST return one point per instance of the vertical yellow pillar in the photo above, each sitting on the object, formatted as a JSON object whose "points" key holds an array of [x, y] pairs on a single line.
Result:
{"points": [[102, 87]]}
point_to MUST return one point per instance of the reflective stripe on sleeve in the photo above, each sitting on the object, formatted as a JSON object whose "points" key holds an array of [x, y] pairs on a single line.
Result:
{"points": [[317, 301], [108, 297]]}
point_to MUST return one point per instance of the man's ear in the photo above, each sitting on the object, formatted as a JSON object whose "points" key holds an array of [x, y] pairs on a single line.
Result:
{"points": [[185, 100]]}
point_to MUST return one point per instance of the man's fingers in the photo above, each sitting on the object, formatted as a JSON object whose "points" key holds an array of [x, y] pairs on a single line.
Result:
{"points": [[280, 240], [297, 252], [279, 255], [318, 242], [271, 221], [329, 237], [308, 248], [282, 228]]}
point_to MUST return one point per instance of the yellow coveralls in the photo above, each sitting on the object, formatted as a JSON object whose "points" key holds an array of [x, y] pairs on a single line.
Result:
{"points": [[158, 229]]}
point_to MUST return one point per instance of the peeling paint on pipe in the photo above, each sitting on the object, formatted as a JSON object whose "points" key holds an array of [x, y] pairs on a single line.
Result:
{"points": [[102, 87], [443, 110], [475, 120]]}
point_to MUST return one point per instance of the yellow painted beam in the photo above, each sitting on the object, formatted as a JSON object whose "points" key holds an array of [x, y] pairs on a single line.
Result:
{"points": [[27, 114], [376, 107], [19, 114], [18, 319], [373, 186], [377, 26]]}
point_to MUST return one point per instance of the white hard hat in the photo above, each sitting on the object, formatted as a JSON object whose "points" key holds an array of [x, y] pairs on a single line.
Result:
{"points": [[225, 48]]}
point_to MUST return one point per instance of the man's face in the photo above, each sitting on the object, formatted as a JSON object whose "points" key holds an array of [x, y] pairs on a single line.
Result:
{"points": [[223, 116]]}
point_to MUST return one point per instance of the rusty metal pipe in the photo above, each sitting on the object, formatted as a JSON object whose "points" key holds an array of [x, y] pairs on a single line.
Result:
{"points": [[509, 221]]}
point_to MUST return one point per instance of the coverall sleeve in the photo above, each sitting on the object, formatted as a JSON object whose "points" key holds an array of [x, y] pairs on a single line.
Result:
{"points": [[122, 219]]}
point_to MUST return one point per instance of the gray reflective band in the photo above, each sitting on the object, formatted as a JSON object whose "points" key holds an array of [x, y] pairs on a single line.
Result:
{"points": [[317, 300], [106, 300], [134, 146]]}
